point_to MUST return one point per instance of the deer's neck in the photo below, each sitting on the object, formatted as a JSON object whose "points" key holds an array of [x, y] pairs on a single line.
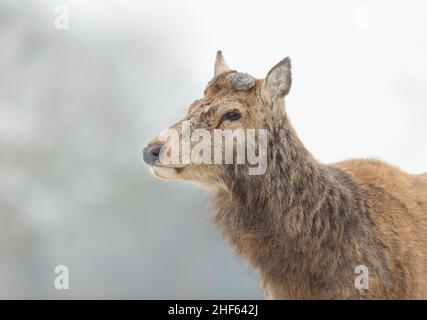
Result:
{"points": [[294, 183], [293, 216]]}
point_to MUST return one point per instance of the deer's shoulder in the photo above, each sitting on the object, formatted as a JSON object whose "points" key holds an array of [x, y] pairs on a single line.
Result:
{"points": [[372, 172]]}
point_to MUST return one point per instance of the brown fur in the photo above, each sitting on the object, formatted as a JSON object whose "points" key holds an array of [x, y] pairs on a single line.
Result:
{"points": [[305, 226], [423, 176]]}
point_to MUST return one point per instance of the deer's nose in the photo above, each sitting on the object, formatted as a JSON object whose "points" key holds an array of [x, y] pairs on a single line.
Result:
{"points": [[151, 153]]}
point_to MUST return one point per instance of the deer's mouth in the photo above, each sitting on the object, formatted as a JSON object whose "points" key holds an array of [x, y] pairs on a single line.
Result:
{"points": [[165, 172]]}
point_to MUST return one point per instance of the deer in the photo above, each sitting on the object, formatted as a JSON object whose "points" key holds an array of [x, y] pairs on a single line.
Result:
{"points": [[305, 227]]}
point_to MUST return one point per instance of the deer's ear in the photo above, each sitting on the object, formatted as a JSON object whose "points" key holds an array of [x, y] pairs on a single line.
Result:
{"points": [[278, 81], [220, 65]]}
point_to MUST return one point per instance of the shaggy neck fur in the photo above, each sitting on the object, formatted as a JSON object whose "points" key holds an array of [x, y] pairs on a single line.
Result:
{"points": [[303, 226]]}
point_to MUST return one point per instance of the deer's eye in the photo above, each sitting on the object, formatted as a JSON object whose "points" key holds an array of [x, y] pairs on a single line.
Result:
{"points": [[231, 115]]}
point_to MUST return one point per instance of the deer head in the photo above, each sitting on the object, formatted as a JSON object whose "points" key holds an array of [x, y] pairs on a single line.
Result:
{"points": [[232, 102]]}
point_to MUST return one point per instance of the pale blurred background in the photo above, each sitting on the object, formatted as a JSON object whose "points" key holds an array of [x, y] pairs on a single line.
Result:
{"points": [[78, 105]]}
